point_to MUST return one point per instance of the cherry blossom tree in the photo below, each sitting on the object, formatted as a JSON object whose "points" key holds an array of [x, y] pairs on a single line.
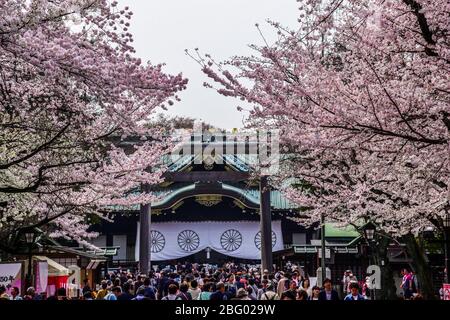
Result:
{"points": [[75, 110], [361, 93], [367, 77]]}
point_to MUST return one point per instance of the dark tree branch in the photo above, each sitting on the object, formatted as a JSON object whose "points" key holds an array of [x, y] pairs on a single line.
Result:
{"points": [[426, 32], [35, 151]]}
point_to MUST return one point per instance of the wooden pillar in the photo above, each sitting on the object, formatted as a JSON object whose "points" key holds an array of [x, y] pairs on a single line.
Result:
{"points": [[144, 235], [266, 225]]}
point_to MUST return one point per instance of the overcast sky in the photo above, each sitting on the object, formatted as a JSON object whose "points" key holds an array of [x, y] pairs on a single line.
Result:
{"points": [[162, 29]]}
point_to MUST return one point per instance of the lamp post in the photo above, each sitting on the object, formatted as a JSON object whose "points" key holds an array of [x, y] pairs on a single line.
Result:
{"points": [[446, 223], [29, 238], [369, 233], [323, 248]]}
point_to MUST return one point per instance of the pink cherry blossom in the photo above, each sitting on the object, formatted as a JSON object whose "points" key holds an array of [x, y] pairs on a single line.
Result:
{"points": [[73, 99], [361, 92]]}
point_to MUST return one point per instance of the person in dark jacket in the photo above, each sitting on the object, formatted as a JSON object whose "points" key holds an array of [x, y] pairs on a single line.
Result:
{"points": [[219, 295], [86, 287], [328, 293], [126, 293], [149, 291], [163, 285]]}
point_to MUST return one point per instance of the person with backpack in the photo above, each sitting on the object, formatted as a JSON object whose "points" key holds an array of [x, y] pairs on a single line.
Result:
{"points": [[183, 292], [241, 294], [269, 293], [172, 295]]}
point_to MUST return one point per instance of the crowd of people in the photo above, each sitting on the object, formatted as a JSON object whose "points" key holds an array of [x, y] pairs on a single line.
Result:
{"points": [[206, 282]]}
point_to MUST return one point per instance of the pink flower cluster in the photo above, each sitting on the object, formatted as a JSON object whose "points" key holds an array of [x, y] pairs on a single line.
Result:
{"points": [[73, 99], [361, 92]]}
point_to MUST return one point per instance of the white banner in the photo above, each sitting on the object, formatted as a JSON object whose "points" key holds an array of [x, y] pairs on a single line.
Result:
{"points": [[238, 239], [41, 276], [10, 274]]}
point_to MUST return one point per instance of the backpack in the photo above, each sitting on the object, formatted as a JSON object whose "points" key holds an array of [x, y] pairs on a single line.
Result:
{"points": [[267, 298], [184, 296]]}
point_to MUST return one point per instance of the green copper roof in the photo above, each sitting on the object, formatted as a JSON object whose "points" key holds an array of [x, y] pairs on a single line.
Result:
{"points": [[169, 194], [277, 200], [333, 231]]}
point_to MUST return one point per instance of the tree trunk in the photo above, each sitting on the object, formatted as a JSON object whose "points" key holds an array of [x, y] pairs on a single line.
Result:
{"points": [[388, 290], [420, 266]]}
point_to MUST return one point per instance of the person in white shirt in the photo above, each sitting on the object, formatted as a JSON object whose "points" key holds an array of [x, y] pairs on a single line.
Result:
{"points": [[194, 290], [269, 294], [306, 286]]}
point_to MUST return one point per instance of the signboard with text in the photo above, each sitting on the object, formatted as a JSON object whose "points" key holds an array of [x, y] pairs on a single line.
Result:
{"points": [[446, 289], [11, 274]]}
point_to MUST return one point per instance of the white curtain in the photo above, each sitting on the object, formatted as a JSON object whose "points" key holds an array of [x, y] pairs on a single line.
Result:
{"points": [[238, 239], [41, 276]]}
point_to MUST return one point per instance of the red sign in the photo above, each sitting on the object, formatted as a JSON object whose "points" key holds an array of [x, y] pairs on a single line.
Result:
{"points": [[446, 289]]}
